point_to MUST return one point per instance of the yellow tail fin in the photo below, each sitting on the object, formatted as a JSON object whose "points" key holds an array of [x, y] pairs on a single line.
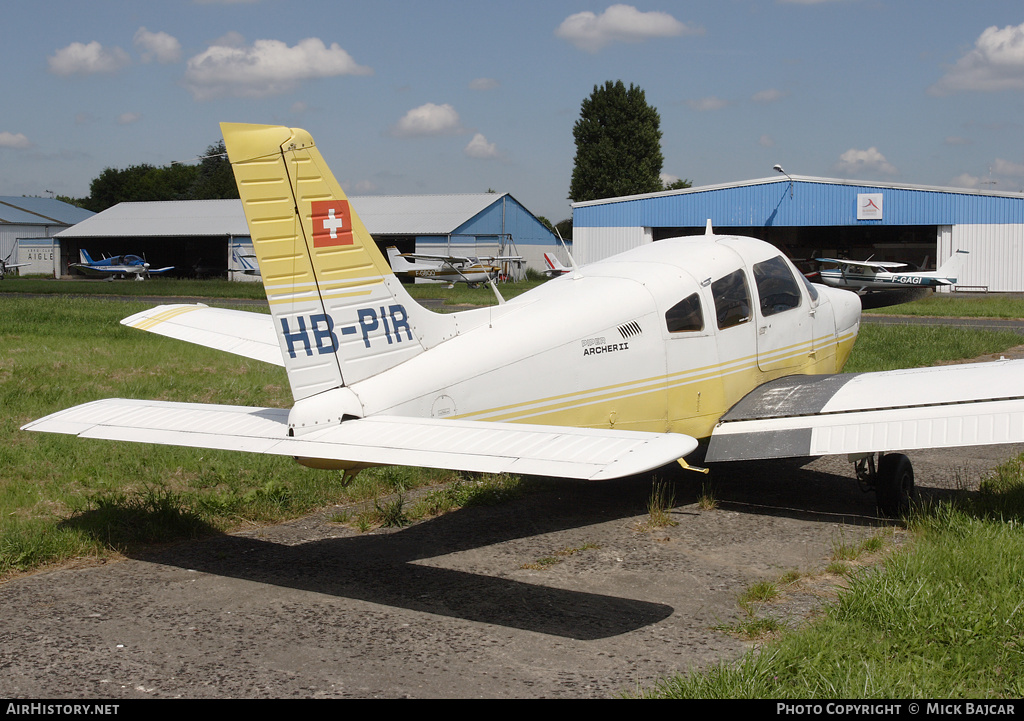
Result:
{"points": [[340, 313]]}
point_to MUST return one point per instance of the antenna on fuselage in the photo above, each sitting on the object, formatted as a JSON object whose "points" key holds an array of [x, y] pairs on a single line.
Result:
{"points": [[708, 230], [575, 270]]}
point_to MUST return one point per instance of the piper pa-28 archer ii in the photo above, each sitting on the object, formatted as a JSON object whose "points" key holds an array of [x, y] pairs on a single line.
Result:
{"points": [[448, 268], [614, 369], [871, 275], [117, 266]]}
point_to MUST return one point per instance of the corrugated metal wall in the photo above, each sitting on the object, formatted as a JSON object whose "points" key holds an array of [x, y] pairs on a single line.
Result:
{"points": [[593, 244], [811, 204], [989, 226], [996, 260]]}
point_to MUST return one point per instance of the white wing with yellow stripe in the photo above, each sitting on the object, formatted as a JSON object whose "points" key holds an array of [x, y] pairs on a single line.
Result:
{"points": [[582, 453], [241, 332]]}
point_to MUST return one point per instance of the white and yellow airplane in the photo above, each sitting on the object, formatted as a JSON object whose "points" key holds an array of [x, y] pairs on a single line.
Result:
{"points": [[614, 369]]}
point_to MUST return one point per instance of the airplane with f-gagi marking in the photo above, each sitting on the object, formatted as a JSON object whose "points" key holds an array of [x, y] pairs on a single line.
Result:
{"points": [[614, 369], [872, 275]]}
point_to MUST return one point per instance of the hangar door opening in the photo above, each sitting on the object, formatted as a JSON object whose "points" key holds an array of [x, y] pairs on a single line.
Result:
{"points": [[916, 245]]}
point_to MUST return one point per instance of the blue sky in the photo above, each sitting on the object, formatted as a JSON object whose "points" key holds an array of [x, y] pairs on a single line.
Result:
{"points": [[454, 96]]}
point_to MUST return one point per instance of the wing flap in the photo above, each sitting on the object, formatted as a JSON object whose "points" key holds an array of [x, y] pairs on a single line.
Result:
{"points": [[385, 440], [946, 406], [244, 333]]}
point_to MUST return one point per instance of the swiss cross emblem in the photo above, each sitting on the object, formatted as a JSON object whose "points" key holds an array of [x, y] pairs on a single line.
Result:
{"points": [[332, 223]]}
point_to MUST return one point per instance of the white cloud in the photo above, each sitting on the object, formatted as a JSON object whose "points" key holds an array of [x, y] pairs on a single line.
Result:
{"points": [[128, 118], [708, 104], [995, 63], [483, 84], [768, 96], [870, 161], [965, 180], [478, 147], [766, 141], [160, 46], [620, 23], [267, 67], [428, 119], [1008, 168], [81, 59], [14, 140]]}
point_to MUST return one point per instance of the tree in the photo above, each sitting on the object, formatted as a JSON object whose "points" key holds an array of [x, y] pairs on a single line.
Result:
{"points": [[618, 145], [211, 178], [215, 178]]}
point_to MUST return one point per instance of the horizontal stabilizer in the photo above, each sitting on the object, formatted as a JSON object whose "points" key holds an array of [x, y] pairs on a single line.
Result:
{"points": [[475, 446], [973, 404], [241, 332]]}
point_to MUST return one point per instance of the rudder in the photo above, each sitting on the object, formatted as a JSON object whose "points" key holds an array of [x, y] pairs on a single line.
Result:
{"points": [[339, 312]]}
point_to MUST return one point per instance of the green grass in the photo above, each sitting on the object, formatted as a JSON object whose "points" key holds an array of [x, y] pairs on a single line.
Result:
{"points": [[152, 287], [62, 497], [960, 306], [940, 618], [888, 347], [461, 294]]}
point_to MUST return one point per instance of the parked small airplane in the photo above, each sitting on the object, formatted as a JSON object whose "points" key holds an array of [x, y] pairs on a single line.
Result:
{"points": [[868, 275], [117, 266], [613, 370], [554, 267], [246, 262], [448, 268], [6, 266]]}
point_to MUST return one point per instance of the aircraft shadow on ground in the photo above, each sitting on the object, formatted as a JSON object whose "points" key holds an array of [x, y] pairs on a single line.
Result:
{"points": [[395, 568]]}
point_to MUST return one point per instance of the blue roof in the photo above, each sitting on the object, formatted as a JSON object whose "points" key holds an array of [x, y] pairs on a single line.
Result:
{"points": [[40, 211], [804, 202]]}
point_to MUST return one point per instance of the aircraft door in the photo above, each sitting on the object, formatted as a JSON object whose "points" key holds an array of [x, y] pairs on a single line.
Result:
{"points": [[784, 317]]}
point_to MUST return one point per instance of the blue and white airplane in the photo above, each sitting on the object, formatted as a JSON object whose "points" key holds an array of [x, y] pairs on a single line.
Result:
{"points": [[865, 275], [117, 266]]}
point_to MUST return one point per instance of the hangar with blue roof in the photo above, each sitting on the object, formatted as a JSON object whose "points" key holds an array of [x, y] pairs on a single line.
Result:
{"points": [[808, 217]]}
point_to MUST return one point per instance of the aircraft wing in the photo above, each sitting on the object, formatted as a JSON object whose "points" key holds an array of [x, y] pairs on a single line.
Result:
{"points": [[241, 332], [440, 258], [874, 264], [476, 446], [972, 404]]}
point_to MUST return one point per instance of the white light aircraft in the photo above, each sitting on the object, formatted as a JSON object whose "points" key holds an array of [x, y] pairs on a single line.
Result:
{"points": [[613, 370], [554, 267], [6, 266], [870, 275], [448, 268]]}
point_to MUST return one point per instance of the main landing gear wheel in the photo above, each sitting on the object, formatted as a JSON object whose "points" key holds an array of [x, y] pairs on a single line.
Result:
{"points": [[894, 485], [892, 480]]}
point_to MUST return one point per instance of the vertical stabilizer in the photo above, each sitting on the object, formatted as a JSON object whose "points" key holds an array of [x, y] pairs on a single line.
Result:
{"points": [[339, 312], [951, 268]]}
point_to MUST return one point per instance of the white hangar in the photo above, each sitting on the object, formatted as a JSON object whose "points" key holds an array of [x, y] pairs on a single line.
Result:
{"points": [[211, 238]]}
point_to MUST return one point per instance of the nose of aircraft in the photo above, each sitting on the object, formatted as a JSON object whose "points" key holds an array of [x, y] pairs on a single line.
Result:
{"points": [[846, 307]]}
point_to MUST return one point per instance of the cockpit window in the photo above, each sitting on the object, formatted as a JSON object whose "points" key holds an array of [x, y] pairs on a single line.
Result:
{"points": [[685, 315], [811, 290], [732, 299], [776, 286]]}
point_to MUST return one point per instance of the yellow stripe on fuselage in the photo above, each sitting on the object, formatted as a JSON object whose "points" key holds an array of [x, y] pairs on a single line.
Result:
{"points": [[642, 404]]}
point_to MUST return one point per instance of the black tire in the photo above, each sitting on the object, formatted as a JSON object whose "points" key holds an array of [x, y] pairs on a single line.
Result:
{"points": [[894, 485]]}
